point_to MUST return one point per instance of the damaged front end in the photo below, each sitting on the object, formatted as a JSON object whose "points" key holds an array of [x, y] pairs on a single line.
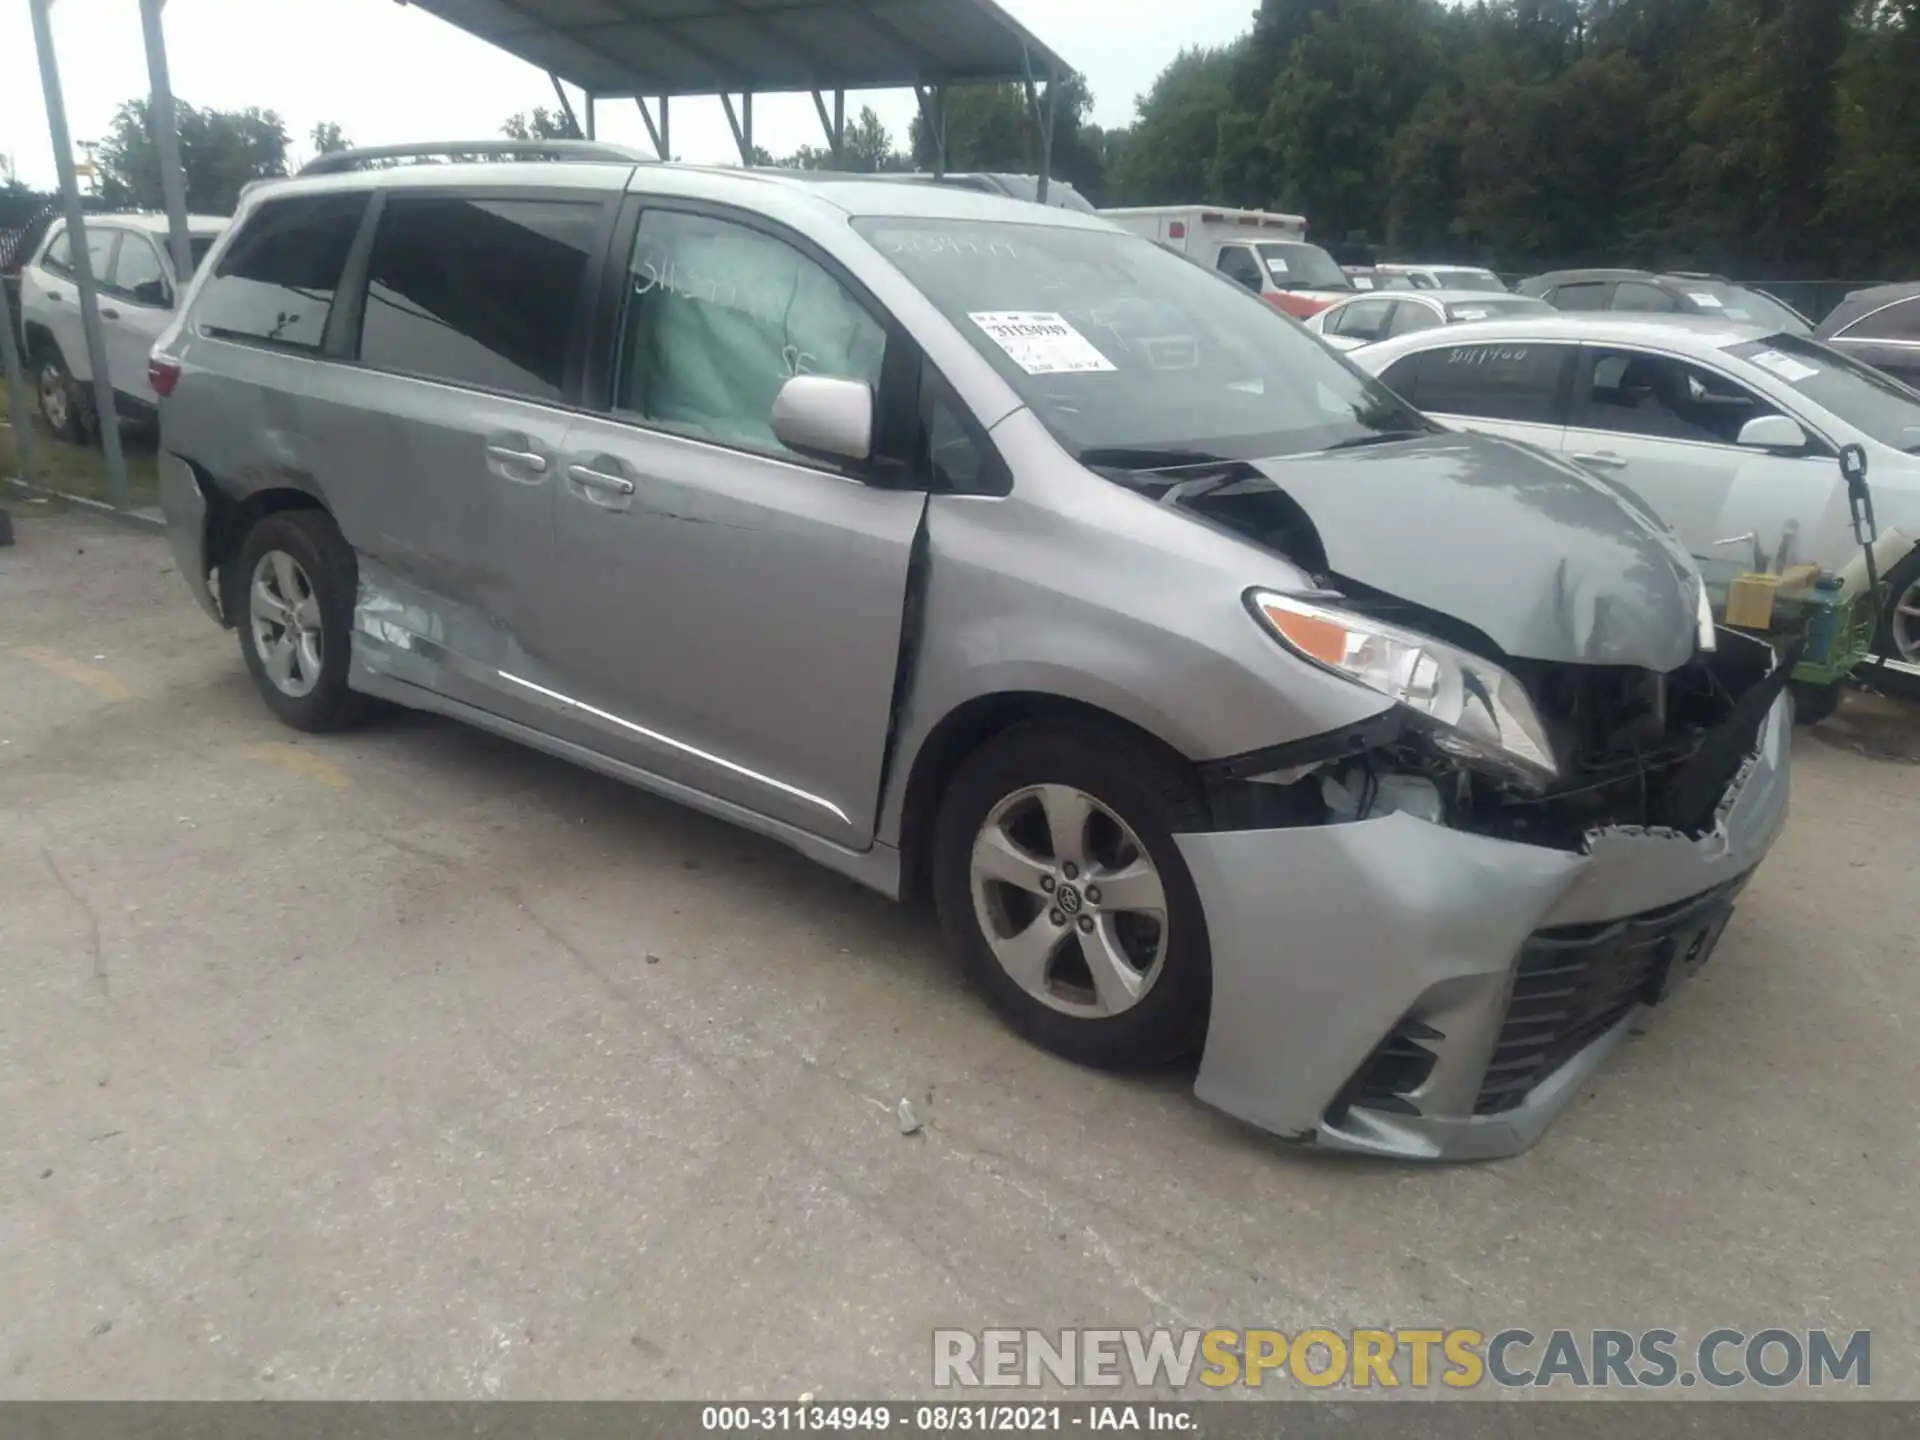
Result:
{"points": [[1422, 955], [1428, 928]]}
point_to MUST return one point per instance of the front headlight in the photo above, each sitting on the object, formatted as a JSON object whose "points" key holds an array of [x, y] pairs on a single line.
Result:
{"points": [[1480, 712]]}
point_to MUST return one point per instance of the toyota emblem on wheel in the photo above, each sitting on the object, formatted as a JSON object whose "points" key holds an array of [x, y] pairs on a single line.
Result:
{"points": [[1068, 899]]}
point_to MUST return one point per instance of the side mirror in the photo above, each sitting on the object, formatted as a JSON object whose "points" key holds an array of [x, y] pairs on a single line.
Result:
{"points": [[826, 417], [1773, 432]]}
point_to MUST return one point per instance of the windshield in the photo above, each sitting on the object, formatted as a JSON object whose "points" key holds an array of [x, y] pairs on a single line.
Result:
{"points": [[1750, 307], [1296, 265], [1119, 345], [1466, 279], [1873, 403], [1484, 308]]}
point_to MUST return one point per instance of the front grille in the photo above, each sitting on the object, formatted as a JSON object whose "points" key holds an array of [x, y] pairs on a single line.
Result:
{"points": [[1574, 983]]}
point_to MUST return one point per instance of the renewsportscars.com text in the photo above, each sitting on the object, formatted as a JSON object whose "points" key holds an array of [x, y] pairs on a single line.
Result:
{"points": [[1417, 1359]]}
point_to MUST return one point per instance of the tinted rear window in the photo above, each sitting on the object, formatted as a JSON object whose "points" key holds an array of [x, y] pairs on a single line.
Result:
{"points": [[478, 292], [1581, 295], [1494, 382], [275, 283]]}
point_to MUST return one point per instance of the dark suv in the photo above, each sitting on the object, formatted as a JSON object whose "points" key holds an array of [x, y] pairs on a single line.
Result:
{"points": [[1646, 293], [1880, 326]]}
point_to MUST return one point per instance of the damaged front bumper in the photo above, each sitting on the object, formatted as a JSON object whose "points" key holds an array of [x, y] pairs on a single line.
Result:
{"points": [[1395, 987]]}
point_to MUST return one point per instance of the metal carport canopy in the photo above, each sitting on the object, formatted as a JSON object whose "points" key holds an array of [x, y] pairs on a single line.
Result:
{"points": [[641, 49], [708, 47]]}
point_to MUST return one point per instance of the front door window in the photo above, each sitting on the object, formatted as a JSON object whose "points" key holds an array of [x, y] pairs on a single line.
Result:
{"points": [[1633, 392], [719, 316]]}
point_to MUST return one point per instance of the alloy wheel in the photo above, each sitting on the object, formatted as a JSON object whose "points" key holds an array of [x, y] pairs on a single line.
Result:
{"points": [[1069, 901], [54, 404], [284, 615], [1903, 624]]}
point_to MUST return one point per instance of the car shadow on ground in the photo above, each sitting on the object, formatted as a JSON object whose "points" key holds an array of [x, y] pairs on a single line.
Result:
{"points": [[1878, 726]]}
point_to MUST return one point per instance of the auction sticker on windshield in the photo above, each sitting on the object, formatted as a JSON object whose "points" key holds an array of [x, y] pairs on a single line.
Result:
{"points": [[1785, 366], [1040, 342]]}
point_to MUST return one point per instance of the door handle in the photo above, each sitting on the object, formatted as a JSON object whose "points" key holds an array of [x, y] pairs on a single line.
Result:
{"points": [[1602, 460], [525, 459], [109, 314], [600, 480], [56, 295]]}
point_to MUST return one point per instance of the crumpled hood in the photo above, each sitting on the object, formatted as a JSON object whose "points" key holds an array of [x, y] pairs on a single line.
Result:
{"points": [[1547, 560]]}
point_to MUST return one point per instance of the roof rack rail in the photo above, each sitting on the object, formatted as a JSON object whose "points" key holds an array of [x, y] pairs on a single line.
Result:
{"points": [[343, 160]]}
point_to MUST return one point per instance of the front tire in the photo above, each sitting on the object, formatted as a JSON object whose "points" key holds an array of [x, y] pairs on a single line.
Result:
{"points": [[295, 585], [1059, 885], [1814, 703]]}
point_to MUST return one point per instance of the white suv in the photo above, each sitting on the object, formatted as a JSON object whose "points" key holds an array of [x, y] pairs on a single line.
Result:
{"points": [[137, 289]]}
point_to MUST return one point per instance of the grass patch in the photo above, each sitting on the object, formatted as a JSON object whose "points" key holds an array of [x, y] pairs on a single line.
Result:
{"points": [[82, 469]]}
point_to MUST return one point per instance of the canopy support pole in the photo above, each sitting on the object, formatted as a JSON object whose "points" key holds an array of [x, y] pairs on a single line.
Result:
{"points": [[653, 131], [741, 123], [933, 114], [1042, 113], [836, 127], [164, 123], [591, 117], [566, 105], [83, 276], [23, 438]]}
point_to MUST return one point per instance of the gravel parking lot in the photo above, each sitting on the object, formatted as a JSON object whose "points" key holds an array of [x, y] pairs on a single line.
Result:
{"points": [[410, 1063]]}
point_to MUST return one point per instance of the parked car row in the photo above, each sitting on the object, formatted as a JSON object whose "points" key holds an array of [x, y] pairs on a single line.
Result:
{"points": [[1645, 293], [1370, 318], [1730, 431], [1156, 642]]}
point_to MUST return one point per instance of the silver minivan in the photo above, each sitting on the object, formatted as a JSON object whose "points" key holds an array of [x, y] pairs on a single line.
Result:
{"points": [[1222, 703]]}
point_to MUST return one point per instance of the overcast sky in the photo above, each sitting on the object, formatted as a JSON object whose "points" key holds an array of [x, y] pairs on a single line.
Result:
{"points": [[390, 73]]}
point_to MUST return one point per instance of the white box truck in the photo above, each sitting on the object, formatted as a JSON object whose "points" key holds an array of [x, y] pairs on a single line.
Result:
{"points": [[1265, 251]]}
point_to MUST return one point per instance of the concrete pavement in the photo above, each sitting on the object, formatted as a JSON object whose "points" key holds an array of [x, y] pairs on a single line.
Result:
{"points": [[409, 1063]]}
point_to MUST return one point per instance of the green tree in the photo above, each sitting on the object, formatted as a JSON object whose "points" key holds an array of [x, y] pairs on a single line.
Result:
{"points": [[866, 147], [1176, 130], [220, 152], [991, 127], [540, 124], [1353, 80], [1874, 192], [327, 138]]}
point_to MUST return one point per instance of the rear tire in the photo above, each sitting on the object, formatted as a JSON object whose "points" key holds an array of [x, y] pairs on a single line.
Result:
{"points": [[1105, 984], [65, 404], [294, 588]]}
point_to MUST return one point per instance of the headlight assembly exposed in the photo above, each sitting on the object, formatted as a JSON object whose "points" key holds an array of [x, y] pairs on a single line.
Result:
{"points": [[1480, 713]]}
